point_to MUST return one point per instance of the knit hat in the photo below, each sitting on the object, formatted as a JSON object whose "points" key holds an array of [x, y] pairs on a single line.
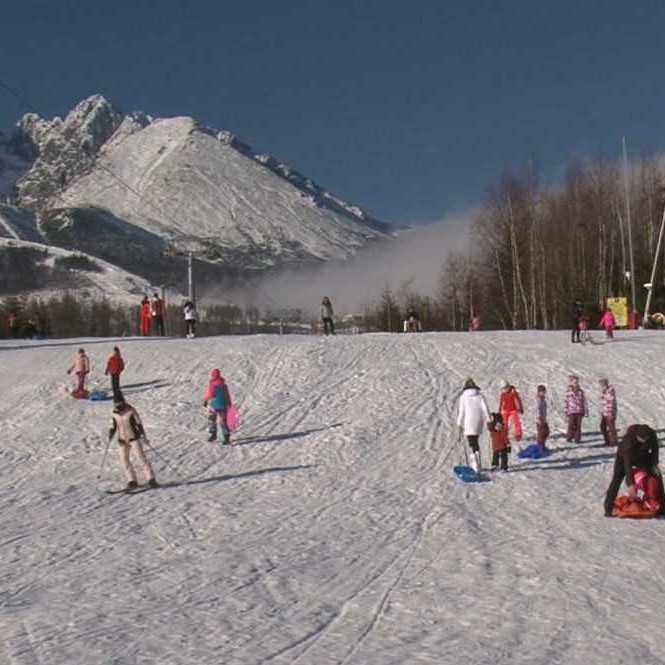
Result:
{"points": [[504, 384], [470, 383], [604, 382]]}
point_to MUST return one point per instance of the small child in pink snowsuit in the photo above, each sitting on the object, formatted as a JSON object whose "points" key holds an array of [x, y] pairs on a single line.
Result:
{"points": [[217, 399], [80, 367], [575, 409], [608, 322]]}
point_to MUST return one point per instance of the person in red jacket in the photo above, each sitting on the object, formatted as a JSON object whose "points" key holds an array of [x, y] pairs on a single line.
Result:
{"points": [[510, 407], [500, 443], [145, 316], [114, 367]]}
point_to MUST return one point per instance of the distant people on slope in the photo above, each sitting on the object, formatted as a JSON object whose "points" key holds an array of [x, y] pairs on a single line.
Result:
{"points": [[474, 324], [472, 418], [608, 321], [189, 311], [131, 434], [81, 368], [412, 322], [114, 367], [327, 315], [145, 316], [575, 408], [12, 325], [157, 308], [638, 450]]}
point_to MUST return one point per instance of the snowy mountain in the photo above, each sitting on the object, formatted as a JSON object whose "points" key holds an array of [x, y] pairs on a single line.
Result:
{"points": [[334, 530], [100, 180]]}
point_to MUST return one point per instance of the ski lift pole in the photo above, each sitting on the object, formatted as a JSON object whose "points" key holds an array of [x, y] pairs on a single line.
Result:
{"points": [[653, 271]]}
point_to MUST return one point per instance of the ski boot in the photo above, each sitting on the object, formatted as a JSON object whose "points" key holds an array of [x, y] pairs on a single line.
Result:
{"points": [[212, 437], [152, 483], [227, 439], [131, 485]]}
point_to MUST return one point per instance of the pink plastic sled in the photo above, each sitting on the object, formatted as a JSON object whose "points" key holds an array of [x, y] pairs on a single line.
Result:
{"points": [[233, 419]]}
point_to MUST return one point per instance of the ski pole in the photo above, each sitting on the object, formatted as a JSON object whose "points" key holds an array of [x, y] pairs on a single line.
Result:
{"points": [[101, 466]]}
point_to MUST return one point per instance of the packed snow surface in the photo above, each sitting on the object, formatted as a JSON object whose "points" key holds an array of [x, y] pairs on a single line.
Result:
{"points": [[333, 531]]}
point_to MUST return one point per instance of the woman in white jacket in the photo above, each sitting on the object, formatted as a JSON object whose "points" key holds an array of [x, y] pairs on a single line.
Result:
{"points": [[472, 417]]}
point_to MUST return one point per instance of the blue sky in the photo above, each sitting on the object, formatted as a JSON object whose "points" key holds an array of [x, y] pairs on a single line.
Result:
{"points": [[411, 109]]}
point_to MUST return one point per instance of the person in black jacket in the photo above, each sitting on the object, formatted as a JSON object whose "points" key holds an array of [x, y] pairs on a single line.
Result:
{"points": [[638, 449], [578, 313]]}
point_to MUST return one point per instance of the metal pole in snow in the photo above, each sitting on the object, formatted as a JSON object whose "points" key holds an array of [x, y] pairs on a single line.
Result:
{"points": [[190, 278], [629, 225], [653, 271]]}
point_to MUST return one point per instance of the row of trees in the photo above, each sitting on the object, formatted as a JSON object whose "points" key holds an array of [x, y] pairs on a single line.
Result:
{"points": [[536, 249]]}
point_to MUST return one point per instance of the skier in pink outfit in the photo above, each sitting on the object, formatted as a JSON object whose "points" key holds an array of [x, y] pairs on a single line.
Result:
{"points": [[80, 367], [575, 409], [217, 399], [608, 322]]}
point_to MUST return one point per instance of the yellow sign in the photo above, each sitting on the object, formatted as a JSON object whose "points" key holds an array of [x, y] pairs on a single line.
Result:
{"points": [[619, 307]]}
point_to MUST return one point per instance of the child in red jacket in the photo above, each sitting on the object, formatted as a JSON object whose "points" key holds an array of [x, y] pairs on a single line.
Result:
{"points": [[500, 443], [114, 367], [510, 407]]}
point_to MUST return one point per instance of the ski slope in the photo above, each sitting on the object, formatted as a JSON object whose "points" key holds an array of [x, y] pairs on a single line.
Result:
{"points": [[333, 532]]}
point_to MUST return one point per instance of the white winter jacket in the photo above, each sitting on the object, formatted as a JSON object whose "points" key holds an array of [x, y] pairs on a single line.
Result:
{"points": [[473, 413]]}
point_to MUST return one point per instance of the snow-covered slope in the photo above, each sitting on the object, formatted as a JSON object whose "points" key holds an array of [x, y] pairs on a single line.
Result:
{"points": [[106, 281], [333, 532]]}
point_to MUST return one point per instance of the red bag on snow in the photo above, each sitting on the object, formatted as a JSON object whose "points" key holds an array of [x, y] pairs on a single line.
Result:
{"points": [[649, 502]]}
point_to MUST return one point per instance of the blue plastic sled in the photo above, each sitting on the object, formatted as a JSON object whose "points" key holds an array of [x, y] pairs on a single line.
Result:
{"points": [[533, 451], [467, 475], [99, 395]]}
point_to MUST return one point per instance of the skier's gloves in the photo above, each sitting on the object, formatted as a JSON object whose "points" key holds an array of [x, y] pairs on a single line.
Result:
{"points": [[205, 404]]}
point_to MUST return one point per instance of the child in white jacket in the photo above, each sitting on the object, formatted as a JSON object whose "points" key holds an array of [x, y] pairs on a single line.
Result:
{"points": [[472, 418]]}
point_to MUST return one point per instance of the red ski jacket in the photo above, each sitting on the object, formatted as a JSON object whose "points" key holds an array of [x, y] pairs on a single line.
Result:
{"points": [[510, 401], [115, 365]]}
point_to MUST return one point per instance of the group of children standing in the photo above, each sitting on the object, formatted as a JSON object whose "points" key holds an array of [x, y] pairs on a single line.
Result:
{"points": [[473, 415]]}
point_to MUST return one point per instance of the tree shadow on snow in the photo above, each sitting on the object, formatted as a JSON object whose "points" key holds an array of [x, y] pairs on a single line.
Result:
{"points": [[237, 476], [81, 343], [276, 438]]}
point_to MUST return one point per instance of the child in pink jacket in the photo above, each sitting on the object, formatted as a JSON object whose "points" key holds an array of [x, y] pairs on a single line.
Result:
{"points": [[80, 367], [608, 322], [575, 409], [217, 399]]}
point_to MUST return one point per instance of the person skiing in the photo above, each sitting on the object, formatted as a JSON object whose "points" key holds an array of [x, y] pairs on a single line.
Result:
{"points": [[217, 400], [145, 317], [327, 315], [575, 409], [157, 313], [510, 407], [500, 443], [578, 313], [115, 366], [126, 422], [412, 322], [189, 310], [80, 367], [472, 415], [474, 324], [608, 412], [638, 450], [608, 321], [542, 427]]}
